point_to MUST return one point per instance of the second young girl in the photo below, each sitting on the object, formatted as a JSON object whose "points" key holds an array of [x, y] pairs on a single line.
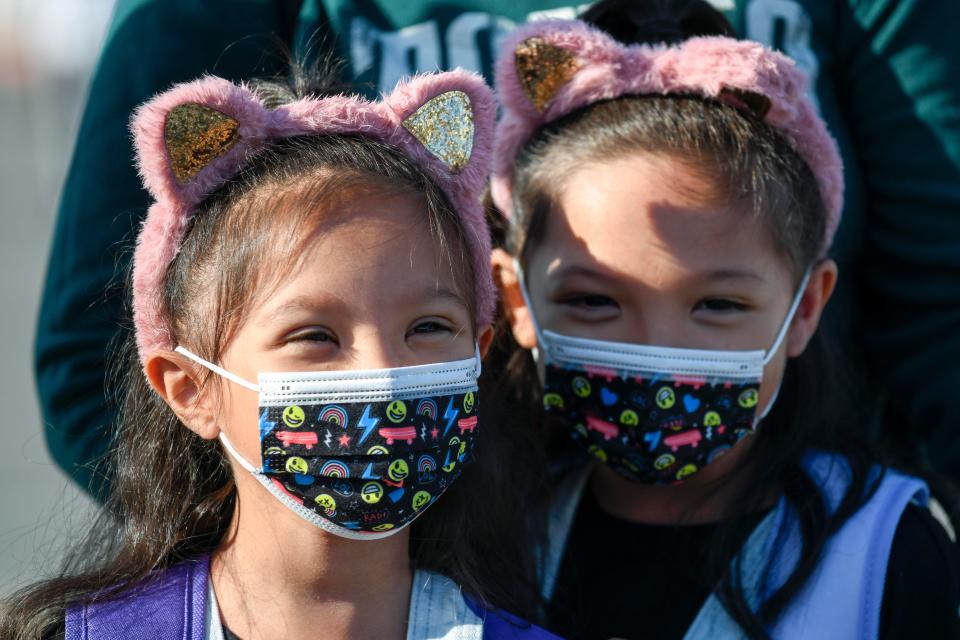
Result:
{"points": [[311, 298], [670, 206]]}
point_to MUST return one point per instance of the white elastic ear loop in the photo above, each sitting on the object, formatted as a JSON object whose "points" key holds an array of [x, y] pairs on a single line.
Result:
{"points": [[220, 371], [785, 327], [478, 362], [236, 455], [533, 318], [776, 343], [766, 410]]}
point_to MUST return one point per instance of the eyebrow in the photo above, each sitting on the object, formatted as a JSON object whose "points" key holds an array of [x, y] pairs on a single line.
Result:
{"points": [[733, 274], [310, 303], [575, 270], [713, 274]]}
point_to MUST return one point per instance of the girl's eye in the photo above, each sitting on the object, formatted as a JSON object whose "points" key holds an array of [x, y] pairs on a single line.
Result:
{"points": [[589, 302], [719, 305], [428, 327], [313, 335]]}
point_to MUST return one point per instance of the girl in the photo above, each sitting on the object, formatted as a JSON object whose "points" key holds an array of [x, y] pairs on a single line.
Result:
{"points": [[670, 206], [340, 241]]}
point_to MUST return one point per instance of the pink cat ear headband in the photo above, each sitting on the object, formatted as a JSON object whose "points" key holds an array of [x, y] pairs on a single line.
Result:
{"points": [[551, 68], [196, 136]]}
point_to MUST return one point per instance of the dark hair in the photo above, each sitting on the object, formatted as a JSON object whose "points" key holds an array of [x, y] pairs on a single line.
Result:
{"points": [[754, 170], [173, 494]]}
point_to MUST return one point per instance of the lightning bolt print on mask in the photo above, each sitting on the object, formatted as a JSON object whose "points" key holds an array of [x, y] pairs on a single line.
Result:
{"points": [[362, 453]]}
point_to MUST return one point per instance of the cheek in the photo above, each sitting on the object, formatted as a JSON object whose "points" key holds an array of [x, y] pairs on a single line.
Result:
{"points": [[239, 418]]}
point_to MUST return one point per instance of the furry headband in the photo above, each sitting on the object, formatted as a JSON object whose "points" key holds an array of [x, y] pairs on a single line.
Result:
{"points": [[195, 136], [551, 68]]}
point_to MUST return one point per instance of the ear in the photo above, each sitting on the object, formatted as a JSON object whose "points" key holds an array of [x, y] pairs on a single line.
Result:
{"points": [[823, 279], [514, 307], [178, 382], [194, 136], [484, 340]]}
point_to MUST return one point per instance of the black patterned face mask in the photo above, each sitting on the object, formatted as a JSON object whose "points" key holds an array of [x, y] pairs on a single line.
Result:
{"points": [[650, 427], [362, 453], [655, 415]]}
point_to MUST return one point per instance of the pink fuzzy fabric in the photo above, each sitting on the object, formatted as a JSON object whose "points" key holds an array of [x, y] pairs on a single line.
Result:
{"points": [[167, 219], [699, 66]]}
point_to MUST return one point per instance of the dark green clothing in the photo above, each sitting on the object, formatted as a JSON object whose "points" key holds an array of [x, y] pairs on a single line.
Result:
{"points": [[887, 79]]}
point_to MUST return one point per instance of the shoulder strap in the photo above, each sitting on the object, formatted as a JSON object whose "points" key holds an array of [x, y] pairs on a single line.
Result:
{"points": [[170, 606], [843, 596], [562, 512], [438, 610], [500, 625]]}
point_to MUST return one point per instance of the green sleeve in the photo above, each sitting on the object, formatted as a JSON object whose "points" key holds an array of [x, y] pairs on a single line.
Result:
{"points": [[150, 45], [899, 92]]}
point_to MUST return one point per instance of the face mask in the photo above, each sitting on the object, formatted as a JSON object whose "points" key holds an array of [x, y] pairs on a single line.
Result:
{"points": [[362, 453], [655, 415]]}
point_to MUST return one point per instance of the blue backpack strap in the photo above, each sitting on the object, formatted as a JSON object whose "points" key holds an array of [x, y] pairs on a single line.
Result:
{"points": [[500, 625], [170, 605]]}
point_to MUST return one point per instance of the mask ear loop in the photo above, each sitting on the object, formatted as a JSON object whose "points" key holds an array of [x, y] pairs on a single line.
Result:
{"points": [[533, 318], [785, 327], [478, 361], [243, 462], [220, 371], [779, 340]]}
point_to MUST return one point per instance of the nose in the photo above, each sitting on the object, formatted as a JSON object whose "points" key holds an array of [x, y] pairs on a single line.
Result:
{"points": [[374, 349], [659, 326]]}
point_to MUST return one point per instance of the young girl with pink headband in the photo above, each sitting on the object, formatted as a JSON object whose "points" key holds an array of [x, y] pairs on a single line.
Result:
{"points": [[669, 208], [299, 453]]}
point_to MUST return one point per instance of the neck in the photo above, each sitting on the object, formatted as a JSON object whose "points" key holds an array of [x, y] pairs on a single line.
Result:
{"points": [[706, 497], [274, 573]]}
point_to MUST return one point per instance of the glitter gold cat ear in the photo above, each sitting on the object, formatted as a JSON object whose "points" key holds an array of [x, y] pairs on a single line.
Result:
{"points": [[196, 135], [444, 126], [542, 69]]}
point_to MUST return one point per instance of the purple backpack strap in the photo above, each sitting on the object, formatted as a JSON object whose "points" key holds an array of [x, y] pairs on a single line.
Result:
{"points": [[500, 625], [171, 605]]}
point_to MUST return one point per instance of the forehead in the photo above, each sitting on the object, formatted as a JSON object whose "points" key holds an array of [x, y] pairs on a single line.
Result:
{"points": [[371, 248], [640, 212]]}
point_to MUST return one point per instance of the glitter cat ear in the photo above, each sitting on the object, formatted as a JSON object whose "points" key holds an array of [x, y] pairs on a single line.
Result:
{"points": [[444, 126], [194, 136], [542, 69]]}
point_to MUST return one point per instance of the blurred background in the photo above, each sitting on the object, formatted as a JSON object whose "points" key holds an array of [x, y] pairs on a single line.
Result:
{"points": [[47, 52]]}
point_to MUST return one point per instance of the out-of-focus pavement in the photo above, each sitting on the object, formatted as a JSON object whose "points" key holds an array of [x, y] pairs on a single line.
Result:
{"points": [[43, 78]]}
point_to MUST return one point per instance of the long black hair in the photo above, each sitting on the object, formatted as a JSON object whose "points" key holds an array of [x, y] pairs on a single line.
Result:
{"points": [[753, 167], [172, 493]]}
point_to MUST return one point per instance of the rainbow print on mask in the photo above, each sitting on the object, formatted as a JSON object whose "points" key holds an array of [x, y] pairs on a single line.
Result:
{"points": [[370, 466]]}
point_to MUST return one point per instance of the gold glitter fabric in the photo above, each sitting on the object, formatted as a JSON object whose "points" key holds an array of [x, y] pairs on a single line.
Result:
{"points": [[444, 125], [195, 136], [543, 69]]}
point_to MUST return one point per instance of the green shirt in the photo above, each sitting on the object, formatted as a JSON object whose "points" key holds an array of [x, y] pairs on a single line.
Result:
{"points": [[887, 79]]}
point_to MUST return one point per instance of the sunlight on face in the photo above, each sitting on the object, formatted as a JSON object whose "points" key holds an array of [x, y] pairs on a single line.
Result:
{"points": [[371, 291], [634, 253]]}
